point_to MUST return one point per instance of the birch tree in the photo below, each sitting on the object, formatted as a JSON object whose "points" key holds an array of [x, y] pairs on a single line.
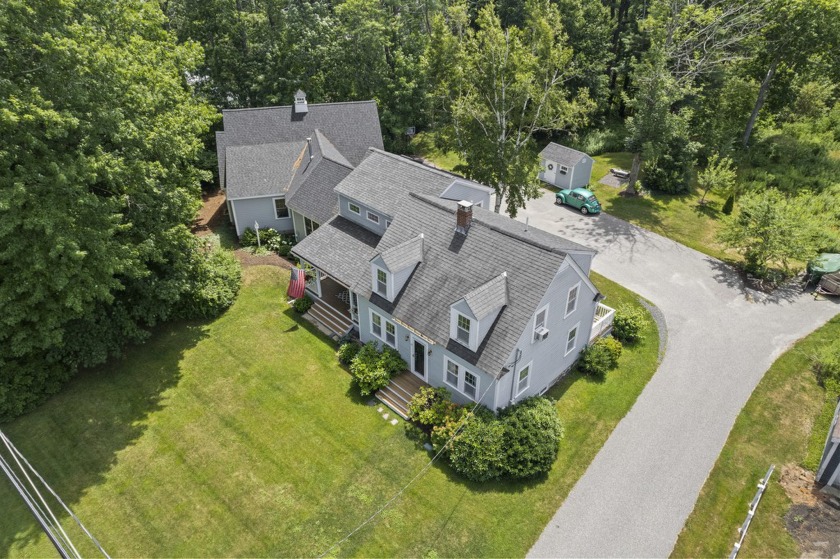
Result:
{"points": [[497, 88]]}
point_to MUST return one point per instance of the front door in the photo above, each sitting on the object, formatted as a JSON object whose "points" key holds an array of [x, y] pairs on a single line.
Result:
{"points": [[418, 358]]}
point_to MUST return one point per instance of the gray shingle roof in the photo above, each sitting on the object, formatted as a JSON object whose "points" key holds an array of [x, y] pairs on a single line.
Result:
{"points": [[340, 248], [562, 154], [454, 265], [382, 180], [261, 170], [487, 298], [351, 127], [315, 195], [329, 151], [404, 254]]}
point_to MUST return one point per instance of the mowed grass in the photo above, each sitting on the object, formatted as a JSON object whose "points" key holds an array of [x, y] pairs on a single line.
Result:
{"points": [[677, 216], [775, 427], [244, 437]]}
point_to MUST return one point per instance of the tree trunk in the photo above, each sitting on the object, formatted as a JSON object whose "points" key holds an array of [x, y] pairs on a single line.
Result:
{"points": [[499, 195], [762, 94], [634, 174]]}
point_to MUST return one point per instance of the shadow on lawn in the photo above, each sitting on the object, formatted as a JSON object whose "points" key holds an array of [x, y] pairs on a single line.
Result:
{"points": [[74, 438]]}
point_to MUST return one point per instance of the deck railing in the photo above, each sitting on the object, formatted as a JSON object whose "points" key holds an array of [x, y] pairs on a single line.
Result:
{"points": [[602, 322]]}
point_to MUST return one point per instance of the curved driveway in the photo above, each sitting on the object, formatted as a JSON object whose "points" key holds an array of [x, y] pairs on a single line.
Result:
{"points": [[637, 493]]}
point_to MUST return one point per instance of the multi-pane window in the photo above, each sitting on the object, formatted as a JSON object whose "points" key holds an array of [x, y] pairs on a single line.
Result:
{"points": [[373, 217], [390, 333], [563, 169], [571, 339], [539, 320], [280, 209], [381, 282], [470, 384], [309, 225], [376, 325], [522, 380], [355, 208], [463, 329], [452, 373], [571, 302]]}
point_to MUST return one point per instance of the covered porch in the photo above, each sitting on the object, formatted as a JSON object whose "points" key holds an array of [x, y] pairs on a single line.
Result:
{"points": [[335, 305]]}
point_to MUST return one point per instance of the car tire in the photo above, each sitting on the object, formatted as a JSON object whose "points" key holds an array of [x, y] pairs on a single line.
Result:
{"points": [[583, 210]]}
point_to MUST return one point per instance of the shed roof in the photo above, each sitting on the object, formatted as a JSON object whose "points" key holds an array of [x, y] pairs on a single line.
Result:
{"points": [[562, 154]]}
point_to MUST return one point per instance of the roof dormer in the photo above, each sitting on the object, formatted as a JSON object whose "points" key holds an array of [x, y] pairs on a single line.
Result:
{"points": [[391, 268], [300, 102], [472, 316]]}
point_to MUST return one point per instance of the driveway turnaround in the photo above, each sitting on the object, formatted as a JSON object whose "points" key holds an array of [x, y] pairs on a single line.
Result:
{"points": [[637, 493]]}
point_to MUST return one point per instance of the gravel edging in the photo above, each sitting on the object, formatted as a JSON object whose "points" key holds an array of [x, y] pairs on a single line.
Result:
{"points": [[661, 326]]}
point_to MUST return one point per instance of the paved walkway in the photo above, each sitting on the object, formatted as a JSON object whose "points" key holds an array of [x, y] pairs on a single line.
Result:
{"points": [[637, 493]]}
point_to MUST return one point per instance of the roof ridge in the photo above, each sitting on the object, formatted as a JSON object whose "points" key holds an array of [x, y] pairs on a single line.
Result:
{"points": [[436, 170], [320, 135], [533, 242], [243, 109]]}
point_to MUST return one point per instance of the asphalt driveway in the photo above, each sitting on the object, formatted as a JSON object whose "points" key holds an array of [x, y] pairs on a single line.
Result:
{"points": [[637, 493]]}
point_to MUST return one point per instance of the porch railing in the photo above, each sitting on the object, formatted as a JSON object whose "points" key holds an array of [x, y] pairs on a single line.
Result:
{"points": [[602, 322]]}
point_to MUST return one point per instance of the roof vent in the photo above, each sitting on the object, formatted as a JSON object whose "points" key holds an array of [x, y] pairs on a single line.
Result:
{"points": [[300, 102], [463, 217]]}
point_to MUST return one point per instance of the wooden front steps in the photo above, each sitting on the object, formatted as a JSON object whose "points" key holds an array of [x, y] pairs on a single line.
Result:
{"points": [[399, 392], [330, 318]]}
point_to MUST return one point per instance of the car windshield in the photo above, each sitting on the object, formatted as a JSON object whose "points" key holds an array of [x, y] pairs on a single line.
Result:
{"points": [[592, 199]]}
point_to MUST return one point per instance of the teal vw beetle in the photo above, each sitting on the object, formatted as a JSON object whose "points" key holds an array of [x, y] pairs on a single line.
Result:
{"points": [[579, 198]]}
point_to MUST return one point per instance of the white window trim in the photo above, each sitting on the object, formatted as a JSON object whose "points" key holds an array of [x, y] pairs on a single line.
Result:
{"points": [[536, 314], [351, 205], [527, 384], [461, 379], [458, 328], [371, 219], [577, 298], [384, 337], [479, 204], [274, 203], [576, 328], [388, 280], [387, 223]]}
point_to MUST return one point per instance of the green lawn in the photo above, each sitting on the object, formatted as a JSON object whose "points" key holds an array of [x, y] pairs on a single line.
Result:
{"points": [[777, 426], [424, 145], [243, 437]]}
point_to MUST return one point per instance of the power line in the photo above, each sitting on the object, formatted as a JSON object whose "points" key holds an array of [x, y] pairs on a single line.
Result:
{"points": [[52, 529], [419, 474]]}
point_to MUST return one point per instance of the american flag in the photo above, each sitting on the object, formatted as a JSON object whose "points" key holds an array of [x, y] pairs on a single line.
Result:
{"points": [[297, 284]]}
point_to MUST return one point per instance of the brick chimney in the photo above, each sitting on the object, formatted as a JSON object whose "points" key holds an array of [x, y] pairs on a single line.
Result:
{"points": [[463, 217]]}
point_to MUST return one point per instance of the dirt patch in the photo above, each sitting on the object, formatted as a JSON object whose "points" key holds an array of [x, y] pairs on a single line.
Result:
{"points": [[611, 180], [814, 518], [212, 214], [271, 259]]}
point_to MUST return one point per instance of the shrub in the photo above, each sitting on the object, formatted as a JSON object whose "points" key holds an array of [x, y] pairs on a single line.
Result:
{"points": [[215, 283], [430, 406], [302, 304], [477, 451], [347, 351], [729, 205], [628, 323], [601, 357], [268, 237], [532, 434], [452, 421], [281, 244], [372, 369]]}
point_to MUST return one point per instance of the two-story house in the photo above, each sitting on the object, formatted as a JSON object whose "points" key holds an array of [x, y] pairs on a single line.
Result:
{"points": [[278, 165], [474, 301]]}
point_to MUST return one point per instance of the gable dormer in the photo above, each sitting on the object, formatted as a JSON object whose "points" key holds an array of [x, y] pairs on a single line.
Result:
{"points": [[391, 269], [300, 102], [472, 316]]}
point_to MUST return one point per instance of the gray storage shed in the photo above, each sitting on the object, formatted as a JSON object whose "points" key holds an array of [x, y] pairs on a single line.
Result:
{"points": [[829, 470], [565, 167]]}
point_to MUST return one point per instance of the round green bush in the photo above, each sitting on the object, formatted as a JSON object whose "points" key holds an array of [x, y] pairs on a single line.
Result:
{"points": [[302, 304], [215, 283], [477, 451], [613, 346], [532, 434], [347, 351], [628, 323], [372, 369], [431, 406]]}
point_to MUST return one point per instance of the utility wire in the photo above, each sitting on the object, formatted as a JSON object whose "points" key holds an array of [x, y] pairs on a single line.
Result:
{"points": [[18, 456], [419, 474]]}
